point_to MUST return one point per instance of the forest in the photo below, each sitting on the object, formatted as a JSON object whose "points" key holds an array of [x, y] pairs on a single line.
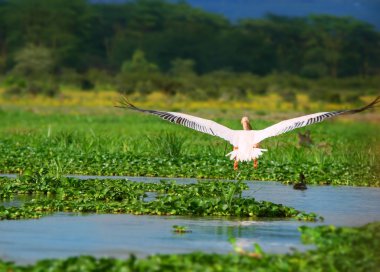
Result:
{"points": [[147, 45]]}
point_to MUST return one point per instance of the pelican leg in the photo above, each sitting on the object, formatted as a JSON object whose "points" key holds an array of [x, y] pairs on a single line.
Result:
{"points": [[255, 163], [236, 163]]}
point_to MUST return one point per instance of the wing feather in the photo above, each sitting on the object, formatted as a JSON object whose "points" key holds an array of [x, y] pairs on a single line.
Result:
{"points": [[291, 124], [193, 122]]}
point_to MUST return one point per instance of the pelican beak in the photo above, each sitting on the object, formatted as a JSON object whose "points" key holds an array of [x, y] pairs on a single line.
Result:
{"points": [[244, 120], [245, 123]]}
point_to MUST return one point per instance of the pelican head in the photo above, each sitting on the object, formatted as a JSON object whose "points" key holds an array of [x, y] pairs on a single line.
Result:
{"points": [[245, 122]]}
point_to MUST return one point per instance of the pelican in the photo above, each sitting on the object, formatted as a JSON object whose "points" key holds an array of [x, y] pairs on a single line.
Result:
{"points": [[245, 142]]}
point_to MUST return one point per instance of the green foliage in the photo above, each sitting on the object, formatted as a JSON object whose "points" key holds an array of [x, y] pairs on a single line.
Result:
{"points": [[228, 85], [182, 75], [341, 154], [64, 27], [180, 229], [182, 67], [83, 35], [167, 144], [136, 74], [123, 196], [33, 61], [100, 79], [349, 248], [32, 73], [138, 64], [338, 249]]}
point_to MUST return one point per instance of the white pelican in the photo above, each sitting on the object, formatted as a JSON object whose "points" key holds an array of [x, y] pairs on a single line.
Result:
{"points": [[245, 142]]}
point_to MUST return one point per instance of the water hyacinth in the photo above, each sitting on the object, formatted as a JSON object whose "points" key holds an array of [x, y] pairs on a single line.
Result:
{"points": [[211, 198], [104, 145]]}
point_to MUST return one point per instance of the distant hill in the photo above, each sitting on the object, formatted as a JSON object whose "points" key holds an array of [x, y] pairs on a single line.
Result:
{"points": [[366, 10]]}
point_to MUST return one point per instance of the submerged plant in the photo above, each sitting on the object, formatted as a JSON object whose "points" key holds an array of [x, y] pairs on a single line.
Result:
{"points": [[181, 229]]}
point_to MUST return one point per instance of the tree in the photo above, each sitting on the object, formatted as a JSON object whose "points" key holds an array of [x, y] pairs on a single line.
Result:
{"points": [[182, 67], [183, 76], [3, 49], [139, 64], [33, 62], [82, 35], [63, 26], [32, 73], [137, 74]]}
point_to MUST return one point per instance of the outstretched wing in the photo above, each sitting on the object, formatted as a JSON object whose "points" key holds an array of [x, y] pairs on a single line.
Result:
{"points": [[193, 122], [291, 124]]}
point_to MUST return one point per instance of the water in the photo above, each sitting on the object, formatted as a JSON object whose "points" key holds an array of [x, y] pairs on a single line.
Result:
{"points": [[17, 201], [64, 234]]}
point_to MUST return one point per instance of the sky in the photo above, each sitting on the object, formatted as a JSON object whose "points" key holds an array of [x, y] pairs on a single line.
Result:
{"points": [[365, 10]]}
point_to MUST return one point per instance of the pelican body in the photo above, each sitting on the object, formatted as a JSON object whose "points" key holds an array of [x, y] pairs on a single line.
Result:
{"points": [[245, 142], [246, 147]]}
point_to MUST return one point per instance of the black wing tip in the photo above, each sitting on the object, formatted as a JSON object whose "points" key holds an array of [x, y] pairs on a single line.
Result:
{"points": [[374, 104], [124, 103]]}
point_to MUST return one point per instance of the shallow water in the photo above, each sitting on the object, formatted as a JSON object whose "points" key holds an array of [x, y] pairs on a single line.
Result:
{"points": [[64, 234]]}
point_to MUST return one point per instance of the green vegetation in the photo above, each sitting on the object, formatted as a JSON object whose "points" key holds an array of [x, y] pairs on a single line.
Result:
{"points": [[342, 153], [123, 196], [33, 73], [181, 229], [148, 45], [157, 52], [338, 249], [106, 35]]}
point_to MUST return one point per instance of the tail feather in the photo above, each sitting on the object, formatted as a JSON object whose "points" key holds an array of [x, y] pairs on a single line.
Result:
{"points": [[246, 155]]}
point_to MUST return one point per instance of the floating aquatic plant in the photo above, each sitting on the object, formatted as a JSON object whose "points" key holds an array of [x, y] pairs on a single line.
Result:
{"points": [[104, 145], [205, 198], [181, 229]]}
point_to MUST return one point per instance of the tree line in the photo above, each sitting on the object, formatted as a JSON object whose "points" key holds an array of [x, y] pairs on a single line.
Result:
{"points": [[94, 41]]}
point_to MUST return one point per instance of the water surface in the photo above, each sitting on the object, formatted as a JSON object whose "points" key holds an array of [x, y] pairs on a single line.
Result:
{"points": [[64, 234]]}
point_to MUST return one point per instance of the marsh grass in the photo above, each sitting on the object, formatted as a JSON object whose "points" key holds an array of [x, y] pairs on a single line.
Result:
{"points": [[342, 153], [167, 144]]}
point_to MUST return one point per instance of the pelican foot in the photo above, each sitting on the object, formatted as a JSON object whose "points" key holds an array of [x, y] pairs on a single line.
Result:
{"points": [[255, 163], [236, 165]]}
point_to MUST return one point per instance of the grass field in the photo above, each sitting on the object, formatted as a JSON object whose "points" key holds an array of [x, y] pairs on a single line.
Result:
{"points": [[110, 141]]}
